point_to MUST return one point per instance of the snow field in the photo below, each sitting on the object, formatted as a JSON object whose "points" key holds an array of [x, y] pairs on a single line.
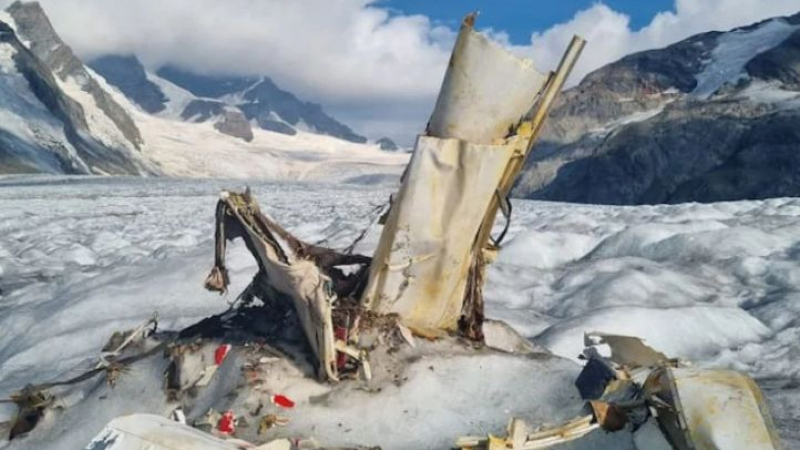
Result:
{"points": [[83, 257]]}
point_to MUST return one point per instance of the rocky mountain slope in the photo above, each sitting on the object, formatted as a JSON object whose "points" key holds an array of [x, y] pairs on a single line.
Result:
{"points": [[129, 76], [55, 117], [710, 118]]}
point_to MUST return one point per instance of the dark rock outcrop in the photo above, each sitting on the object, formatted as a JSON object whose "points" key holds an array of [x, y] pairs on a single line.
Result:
{"points": [[129, 76], [202, 110], [387, 144], [210, 86], [234, 123]]}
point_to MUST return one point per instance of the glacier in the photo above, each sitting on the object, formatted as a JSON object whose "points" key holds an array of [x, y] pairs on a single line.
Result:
{"points": [[82, 257]]}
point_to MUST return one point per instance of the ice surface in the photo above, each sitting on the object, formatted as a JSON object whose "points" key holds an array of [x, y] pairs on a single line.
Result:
{"points": [[83, 257], [734, 50]]}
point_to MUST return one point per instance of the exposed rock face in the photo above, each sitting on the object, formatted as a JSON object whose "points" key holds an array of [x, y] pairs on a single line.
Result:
{"points": [[45, 130], [209, 86], [260, 100], [234, 123], [690, 122], [34, 26], [202, 110], [387, 144], [129, 76]]}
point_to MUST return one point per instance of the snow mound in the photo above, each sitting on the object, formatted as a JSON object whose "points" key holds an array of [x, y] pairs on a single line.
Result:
{"points": [[693, 332], [545, 250]]}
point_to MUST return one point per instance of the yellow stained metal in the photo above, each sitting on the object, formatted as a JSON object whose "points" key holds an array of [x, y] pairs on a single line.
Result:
{"points": [[420, 267], [442, 216], [721, 410], [300, 279]]}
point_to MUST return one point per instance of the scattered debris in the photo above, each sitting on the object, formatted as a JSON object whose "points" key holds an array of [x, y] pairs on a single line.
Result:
{"points": [[150, 432], [270, 421], [696, 409], [227, 423], [179, 416], [220, 353], [32, 403], [282, 401]]}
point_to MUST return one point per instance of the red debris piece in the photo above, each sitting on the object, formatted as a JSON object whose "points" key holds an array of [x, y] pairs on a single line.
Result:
{"points": [[226, 424], [220, 353], [282, 401]]}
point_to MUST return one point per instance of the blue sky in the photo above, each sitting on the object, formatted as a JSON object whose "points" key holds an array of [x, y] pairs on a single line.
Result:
{"points": [[519, 18]]}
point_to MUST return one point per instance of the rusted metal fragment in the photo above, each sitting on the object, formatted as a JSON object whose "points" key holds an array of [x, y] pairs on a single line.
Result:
{"points": [[610, 416]]}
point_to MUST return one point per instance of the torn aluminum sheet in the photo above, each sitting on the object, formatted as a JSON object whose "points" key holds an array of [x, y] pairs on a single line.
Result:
{"points": [[486, 91], [430, 261], [303, 274], [150, 432], [423, 258], [711, 410], [626, 350]]}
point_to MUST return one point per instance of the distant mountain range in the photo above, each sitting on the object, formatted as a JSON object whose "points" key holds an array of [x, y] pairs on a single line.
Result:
{"points": [[714, 117], [236, 101], [113, 117]]}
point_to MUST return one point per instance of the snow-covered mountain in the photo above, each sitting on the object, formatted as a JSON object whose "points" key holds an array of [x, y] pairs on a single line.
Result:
{"points": [[59, 116], [710, 118], [54, 116], [233, 103]]}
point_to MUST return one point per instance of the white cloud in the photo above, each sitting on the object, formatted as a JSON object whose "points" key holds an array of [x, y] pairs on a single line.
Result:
{"points": [[611, 37], [377, 71]]}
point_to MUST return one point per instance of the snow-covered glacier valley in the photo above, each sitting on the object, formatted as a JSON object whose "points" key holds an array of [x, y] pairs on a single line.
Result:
{"points": [[718, 284]]}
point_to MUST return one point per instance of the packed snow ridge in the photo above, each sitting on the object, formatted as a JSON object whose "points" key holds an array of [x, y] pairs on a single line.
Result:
{"points": [[81, 258], [734, 50]]}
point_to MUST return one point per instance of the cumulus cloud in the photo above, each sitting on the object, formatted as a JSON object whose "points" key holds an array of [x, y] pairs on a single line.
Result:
{"points": [[610, 36], [375, 70]]}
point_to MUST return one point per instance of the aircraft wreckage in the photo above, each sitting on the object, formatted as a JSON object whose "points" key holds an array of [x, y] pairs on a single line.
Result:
{"points": [[421, 290]]}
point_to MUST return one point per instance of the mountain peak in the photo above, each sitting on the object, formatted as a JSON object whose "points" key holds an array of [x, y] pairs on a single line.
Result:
{"points": [[127, 73], [259, 99], [43, 128], [704, 119], [34, 26]]}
